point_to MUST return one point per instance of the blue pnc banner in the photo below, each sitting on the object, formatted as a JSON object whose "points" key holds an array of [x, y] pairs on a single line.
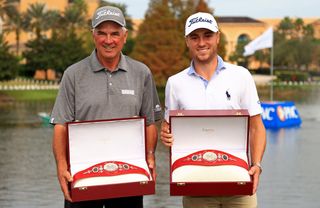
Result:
{"points": [[280, 115]]}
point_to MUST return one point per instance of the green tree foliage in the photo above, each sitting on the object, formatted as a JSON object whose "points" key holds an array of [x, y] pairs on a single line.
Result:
{"points": [[56, 23], [294, 44], [36, 19], [8, 62], [237, 55], [74, 18], [6, 6], [316, 54], [14, 23], [222, 51], [56, 53], [262, 56], [159, 44]]}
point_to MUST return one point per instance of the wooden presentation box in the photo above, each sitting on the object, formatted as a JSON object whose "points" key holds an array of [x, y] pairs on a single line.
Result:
{"points": [[107, 159], [209, 156]]}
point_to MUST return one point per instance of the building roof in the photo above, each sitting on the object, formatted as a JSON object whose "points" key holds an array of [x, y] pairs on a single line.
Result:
{"points": [[237, 19]]}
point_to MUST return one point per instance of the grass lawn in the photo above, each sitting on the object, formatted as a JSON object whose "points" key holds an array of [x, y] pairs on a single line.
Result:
{"points": [[30, 95]]}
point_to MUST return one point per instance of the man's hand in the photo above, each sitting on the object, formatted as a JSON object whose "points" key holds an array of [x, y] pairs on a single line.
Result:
{"points": [[64, 178], [59, 147], [255, 171], [152, 164], [166, 136]]}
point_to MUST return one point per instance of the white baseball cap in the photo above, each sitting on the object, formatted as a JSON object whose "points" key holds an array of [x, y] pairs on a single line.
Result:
{"points": [[201, 20]]}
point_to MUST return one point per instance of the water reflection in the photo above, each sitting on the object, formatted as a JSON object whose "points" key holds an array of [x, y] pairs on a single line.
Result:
{"points": [[290, 177], [27, 170], [279, 137]]}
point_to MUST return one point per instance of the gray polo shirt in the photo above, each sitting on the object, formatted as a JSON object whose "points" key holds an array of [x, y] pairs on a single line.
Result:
{"points": [[90, 92]]}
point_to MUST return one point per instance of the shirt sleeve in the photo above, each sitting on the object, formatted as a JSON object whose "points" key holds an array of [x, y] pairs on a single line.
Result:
{"points": [[63, 109], [250, 98], [171, 102], [148, 100]]}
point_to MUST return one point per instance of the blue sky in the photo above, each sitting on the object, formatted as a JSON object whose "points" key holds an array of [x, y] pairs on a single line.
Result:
{"points": [[251, 8]]}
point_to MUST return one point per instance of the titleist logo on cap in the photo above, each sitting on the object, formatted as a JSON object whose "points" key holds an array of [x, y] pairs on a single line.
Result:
{"points": [[199, 19], [107, 12]]}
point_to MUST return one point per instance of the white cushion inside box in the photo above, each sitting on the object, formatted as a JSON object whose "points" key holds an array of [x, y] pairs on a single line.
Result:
{"points": [[96, 142], [95, 181], [193, 134]]}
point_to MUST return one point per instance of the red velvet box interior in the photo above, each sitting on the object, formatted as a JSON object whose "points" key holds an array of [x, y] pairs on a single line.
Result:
{"points": [[107, 159], [209, 156]]}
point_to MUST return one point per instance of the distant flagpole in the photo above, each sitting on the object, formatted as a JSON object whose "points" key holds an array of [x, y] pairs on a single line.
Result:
{"points": [[261, 42], [271, 73]]}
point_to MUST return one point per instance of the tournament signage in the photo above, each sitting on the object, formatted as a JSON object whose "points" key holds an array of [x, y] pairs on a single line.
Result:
{"points": [[280, 114]]}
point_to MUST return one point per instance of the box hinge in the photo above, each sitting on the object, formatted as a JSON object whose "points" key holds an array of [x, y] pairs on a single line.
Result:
{"points": [[83, 188], [143, 182], [241, 183], [181, 184]]}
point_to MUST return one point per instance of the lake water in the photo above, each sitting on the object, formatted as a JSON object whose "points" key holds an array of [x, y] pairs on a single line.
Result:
{"points": [[28, 177]]}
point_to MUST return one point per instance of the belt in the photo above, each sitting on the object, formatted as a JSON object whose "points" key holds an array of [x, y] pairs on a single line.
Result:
{"points": [[210, 158], [110, 168]]}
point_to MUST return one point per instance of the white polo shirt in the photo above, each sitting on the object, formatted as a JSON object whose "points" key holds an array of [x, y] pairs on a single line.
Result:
{"points": [[231, 87]]}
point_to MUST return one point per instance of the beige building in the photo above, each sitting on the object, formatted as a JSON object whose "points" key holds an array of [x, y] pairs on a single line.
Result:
{"points": [[240, 28]]}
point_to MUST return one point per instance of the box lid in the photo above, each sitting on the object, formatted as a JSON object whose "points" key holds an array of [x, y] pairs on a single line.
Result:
{"points": [[209, 129], [107, 141]]}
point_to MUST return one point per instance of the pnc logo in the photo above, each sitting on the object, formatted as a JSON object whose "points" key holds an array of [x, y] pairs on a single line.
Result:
{"points": [[282, 112], [267, 112]]}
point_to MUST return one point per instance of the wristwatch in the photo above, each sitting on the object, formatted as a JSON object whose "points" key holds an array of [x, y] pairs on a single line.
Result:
{"points": [[258, 165]]}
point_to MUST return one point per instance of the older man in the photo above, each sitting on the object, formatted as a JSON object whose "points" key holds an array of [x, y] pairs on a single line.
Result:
{"points": [[105, 85]]}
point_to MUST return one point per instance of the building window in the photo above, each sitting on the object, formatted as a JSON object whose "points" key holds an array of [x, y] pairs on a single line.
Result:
{"points": [[243, 38]]}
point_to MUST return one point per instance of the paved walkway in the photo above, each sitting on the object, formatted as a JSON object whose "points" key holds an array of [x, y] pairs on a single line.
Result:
{"points": [[262, 79]]}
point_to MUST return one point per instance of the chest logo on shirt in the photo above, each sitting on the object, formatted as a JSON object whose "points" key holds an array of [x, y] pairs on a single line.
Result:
{"points": [[228, 94], [127, 92]]}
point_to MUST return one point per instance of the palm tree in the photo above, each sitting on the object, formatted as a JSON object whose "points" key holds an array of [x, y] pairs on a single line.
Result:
{"points": [[36, 19], [74, 17], [6, 6], [14, 24], [54, 22]]}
